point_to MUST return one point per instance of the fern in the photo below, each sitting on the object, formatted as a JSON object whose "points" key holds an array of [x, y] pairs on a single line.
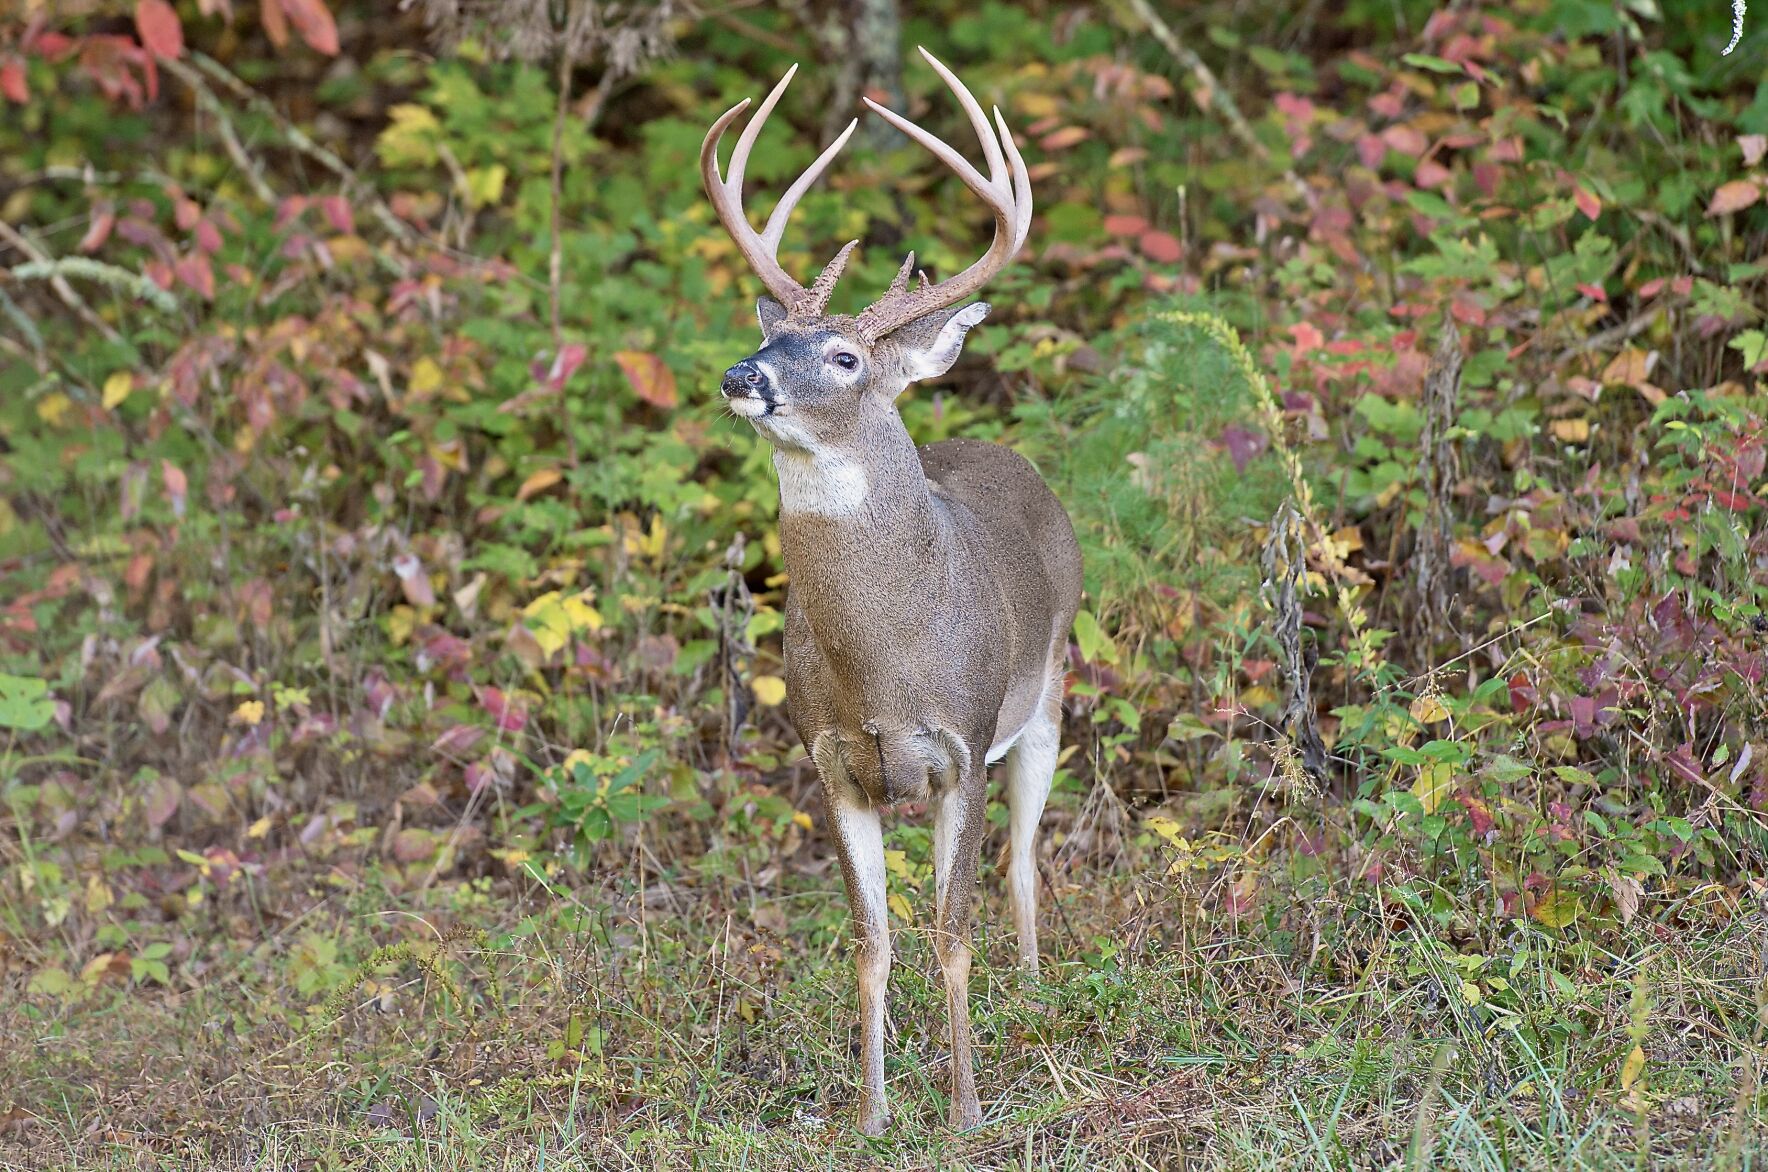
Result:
{"points": [[1139, 456]]}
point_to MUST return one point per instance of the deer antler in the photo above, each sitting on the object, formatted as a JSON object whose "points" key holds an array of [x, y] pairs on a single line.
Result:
{"points": [[762, 250], [1007, 191]]}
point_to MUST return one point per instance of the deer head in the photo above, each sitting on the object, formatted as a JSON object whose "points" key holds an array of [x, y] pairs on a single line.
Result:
{"points": [[817, 375]]}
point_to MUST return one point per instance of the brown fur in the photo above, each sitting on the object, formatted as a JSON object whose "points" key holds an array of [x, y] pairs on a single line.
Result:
{"points": [[930, 596]]}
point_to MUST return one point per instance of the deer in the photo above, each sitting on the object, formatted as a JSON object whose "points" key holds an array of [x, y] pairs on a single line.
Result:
{"points": [[930, 590]]}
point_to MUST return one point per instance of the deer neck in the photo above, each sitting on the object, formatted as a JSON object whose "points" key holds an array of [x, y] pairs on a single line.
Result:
{"points": [[858, 503]]}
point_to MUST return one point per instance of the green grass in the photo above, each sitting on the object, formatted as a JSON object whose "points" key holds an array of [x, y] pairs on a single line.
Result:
{"points": [[653, 1024]]}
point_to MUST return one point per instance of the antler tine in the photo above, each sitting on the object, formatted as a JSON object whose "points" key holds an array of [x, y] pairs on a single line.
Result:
{"points": [[1007, 192], [761, 249], [991, 150]]}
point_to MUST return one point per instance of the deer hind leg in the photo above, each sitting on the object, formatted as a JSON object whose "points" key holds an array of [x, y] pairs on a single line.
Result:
{"points": [[859, 840], [957, 846], [1031, 764]]}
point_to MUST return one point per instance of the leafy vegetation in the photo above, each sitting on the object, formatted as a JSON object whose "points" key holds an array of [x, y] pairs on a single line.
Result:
{"points": [[392, 762]]}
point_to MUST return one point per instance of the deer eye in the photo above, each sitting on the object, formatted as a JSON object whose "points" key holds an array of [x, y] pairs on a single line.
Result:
{"points": [[847, 361]]}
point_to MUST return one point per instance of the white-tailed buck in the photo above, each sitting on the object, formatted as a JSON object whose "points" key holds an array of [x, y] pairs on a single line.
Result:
{"points": [[931, 590]]}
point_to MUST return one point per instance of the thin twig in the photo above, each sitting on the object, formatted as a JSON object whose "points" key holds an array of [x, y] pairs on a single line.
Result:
{"points": [[299, 141], [206, 99], [69, 296], [1210, 94], [555, 262]]}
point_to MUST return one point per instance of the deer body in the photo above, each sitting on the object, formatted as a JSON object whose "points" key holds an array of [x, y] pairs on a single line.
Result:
{"points": [[931, 589]]}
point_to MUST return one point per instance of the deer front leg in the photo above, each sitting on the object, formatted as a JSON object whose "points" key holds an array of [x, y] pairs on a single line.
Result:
{"points": [[859, 840], [957, 845]]}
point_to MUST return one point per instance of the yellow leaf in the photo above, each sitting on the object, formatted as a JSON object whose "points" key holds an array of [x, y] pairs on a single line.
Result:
{"points": [[538, 483], [1558, 908], [769, 690], [1632, 1068], [259, 828], [897, 863], [1571, 431], [484, 185], [249, 713], [52, 409], [117, 388], [1167, 829], [401, 622], [98, 894], [1435, 781], [426, 376], [899, 907], [1470, 993], [548, 622], [801, 819], [579, 615], [1428, 709]]}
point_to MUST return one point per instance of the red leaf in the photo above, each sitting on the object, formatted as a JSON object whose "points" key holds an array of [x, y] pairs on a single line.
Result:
{"points": [[1161, 247], [1126, 225], [337, 213], [194, 271], [1407, 140], [104, 218], [159, 28], [314, 22], [208, 237], [12, 81], [1587, 202]]}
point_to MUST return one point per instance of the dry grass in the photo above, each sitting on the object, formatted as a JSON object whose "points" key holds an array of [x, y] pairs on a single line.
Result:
{"points": [[684, 1024]]}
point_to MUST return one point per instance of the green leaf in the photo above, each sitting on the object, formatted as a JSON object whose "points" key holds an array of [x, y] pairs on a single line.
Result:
{"points": [[24, 703], [1434, 64], [1095, 645]]}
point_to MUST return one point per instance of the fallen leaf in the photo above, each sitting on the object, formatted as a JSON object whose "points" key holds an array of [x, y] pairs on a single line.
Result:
{"points": [[769, 690]]}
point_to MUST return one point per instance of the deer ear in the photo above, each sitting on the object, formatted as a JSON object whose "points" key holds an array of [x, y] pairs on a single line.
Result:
{"points": [[769, 313], [929, 345]]}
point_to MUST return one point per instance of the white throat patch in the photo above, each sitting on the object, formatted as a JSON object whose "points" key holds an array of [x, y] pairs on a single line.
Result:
{"points": [[821, 484]]}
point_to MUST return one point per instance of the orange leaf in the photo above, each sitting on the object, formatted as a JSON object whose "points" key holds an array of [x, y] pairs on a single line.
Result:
{"points": [[313, 20], [651, 379], [1068, 136], [538, 483], [1734, 197], [1627, 369], [276, 25], [1587, 202], [159, 28]]}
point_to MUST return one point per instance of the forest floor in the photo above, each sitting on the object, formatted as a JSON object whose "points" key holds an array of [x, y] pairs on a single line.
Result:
{"points": [[657, 1024]]}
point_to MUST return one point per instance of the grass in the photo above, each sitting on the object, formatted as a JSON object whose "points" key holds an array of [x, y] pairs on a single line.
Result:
{"points": [[681, 1022]]}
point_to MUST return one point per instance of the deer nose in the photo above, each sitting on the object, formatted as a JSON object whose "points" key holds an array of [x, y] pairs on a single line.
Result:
{"points": [[745, 378]]}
